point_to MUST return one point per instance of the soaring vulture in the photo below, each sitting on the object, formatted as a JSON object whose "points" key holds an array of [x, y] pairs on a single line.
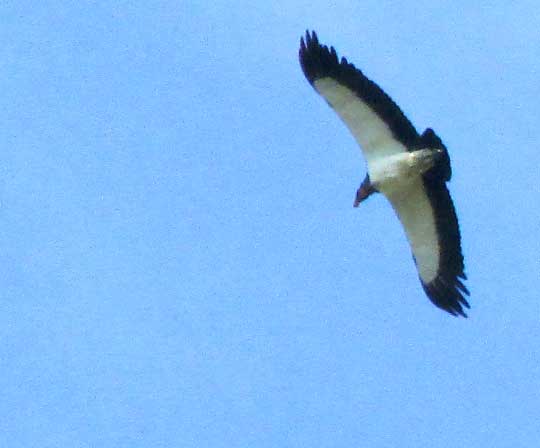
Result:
{"points": [[409, 169]]}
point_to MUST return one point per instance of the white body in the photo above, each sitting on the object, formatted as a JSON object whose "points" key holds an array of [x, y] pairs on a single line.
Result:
{"points": [[393, 170]]}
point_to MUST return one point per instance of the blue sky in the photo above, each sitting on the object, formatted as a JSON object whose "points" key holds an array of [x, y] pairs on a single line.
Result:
{"points": [[182, 264]]}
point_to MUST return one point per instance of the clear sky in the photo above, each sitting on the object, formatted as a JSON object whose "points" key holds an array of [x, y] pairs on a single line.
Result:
{"points": [[181, 262]]}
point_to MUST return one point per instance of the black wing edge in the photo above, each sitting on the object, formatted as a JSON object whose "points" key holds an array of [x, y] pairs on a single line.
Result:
{"points": [[447, 290], [318, 61]]}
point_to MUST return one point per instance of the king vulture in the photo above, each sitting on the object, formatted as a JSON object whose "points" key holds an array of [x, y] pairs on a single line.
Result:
{"points": [[409, 169]]}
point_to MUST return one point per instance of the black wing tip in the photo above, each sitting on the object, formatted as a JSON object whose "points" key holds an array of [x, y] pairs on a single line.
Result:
{"points": [[310, 40], [449, 296], [318, 61], [309, 36]]}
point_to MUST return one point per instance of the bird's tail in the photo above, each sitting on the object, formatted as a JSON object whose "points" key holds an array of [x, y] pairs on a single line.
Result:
{"points": [[441, 167]]}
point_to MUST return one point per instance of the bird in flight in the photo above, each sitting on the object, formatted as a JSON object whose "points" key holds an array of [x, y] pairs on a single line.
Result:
{"points": [[409, 169]]}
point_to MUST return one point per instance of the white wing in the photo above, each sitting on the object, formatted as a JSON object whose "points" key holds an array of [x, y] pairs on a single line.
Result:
{"points": [[427, 214], [376, 122], [370, 131]]}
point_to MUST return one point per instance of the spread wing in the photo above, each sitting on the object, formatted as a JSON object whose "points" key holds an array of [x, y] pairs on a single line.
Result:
{"points": [[376, 122], [428, 216]]}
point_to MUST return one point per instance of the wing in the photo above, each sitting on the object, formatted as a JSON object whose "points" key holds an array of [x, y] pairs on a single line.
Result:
{"points": [[427, 214], [446, 290], [376, 122]]}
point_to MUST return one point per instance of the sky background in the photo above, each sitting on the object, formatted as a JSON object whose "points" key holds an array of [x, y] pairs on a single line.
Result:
{"points": [[181, 261]]}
